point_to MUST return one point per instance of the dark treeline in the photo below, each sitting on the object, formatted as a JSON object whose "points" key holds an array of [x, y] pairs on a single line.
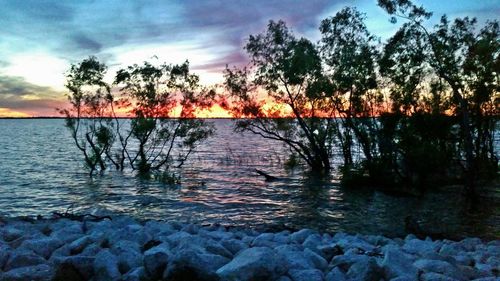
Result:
{"points": [[421, 107]]}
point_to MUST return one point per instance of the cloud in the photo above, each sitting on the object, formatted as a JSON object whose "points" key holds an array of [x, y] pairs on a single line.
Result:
{"points": [[17, 95]]}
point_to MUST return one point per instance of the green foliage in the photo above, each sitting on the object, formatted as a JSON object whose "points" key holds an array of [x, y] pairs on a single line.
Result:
{"points": [[149, 141]]}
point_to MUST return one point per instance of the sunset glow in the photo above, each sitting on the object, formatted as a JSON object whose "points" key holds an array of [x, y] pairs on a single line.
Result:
{"points": [[41, 39]]}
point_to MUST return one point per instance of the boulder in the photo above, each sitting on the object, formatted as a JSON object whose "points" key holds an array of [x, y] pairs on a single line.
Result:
{"points": [[396, 263], [234, 245], [306, 275], [335, 275], [40, 272], [318, 261], [106, 266], [43, 246], [136, 274], [420, 247], [22, 258], [156, 259], [438, 266], [264, 240], [4, 254], [77, 246], [329, 251], [257, 263], [312, 242], [300, 236], [193, 264], [74, 268], [365, 269]]}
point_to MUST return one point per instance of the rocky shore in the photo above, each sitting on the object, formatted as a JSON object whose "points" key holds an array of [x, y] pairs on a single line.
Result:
{"points": [[122, 248]]}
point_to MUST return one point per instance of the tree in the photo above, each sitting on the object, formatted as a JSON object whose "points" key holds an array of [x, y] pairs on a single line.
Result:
{"points": [[88, 119], [155, 93], [284, 80], [455, 53], [348, 52], [153, 139]]}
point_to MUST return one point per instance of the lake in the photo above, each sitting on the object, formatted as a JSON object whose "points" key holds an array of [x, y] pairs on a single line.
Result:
{"points": [[41, 171]]}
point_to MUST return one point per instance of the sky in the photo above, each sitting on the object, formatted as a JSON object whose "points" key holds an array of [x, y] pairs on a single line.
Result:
{"points": [[40, 39]]}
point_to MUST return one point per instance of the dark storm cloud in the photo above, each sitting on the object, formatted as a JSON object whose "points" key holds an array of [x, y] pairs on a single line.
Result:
{"points": [[83, 42], [17, 94]]}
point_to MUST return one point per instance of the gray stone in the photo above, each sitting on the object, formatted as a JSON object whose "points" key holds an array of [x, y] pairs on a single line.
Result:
{"points": [[318, 261], [191, 229], [78, 245], [450, 249], [11, 233], [134, 233], [335, 275], [284, 278], [177, 237], [438, 266], [306, 275], [330, 250], [433, 276], [366, 269], [75, 267], [216, 235], [282, 237], [191, 264], [420, 247], [22, 258], [234, 245], [264, 240], [156, 259], [40, 272], [295, 259], [136, 274], [216, 248], [300, 236], [91, 250], [397, 263], [469, 244], [106, 266], [4, 254], [254, 264], [43, 247], [344, 262], [312, 242]]}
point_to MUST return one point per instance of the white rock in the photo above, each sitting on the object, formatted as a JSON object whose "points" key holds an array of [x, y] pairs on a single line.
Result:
{"points": [[254, 264]]}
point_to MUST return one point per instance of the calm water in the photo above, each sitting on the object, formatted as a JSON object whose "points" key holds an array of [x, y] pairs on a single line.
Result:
{"points": [[41, 171]]}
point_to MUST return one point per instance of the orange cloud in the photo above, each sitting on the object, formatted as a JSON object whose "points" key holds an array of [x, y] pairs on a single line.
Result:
{"points": [[7, 112]]}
